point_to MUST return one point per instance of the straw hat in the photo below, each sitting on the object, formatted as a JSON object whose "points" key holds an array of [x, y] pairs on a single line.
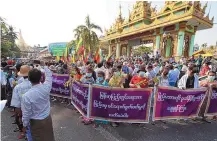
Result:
{"points": [[24, 70]]}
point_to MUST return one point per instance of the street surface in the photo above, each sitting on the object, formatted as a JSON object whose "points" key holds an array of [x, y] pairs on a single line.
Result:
{"points": [[68, 127]]}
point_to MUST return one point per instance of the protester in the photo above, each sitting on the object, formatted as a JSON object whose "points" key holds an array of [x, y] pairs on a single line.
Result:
{"points": [[18, 93], [173, 75], [189, 80], [163, 79], [210, 79], [88, 77], [35, 106], [205, 69], [117, 78], [140, 80]]}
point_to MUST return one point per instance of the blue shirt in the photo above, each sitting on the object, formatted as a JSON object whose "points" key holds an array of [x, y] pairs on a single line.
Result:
{"points": [[105, 83], [36, 102], [173, 75]]}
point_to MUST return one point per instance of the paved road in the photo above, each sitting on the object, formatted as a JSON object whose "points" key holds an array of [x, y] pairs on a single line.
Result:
{"points": [[67, 127]]}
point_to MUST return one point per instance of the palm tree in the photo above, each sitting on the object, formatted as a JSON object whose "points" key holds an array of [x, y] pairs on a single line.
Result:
{"points": [[8, 37], [88, 34]]}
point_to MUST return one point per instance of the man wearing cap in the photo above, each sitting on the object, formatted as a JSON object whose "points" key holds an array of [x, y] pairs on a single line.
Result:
{"points": [[35, 106], [18, 92]]}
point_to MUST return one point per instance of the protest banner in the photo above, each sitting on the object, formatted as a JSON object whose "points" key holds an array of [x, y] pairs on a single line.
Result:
{"points": [[80, 97], [120, 105], [211, 108], [58, 85], [174, 103]]}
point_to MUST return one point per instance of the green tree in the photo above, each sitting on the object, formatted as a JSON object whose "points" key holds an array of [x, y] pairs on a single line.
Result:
{"points": [[141, 50], [8, 37], [88, 34]]}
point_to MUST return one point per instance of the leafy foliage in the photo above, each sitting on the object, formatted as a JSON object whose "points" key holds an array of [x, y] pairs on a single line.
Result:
{"points": [[88, 34], [141, 50], [8, 37]]}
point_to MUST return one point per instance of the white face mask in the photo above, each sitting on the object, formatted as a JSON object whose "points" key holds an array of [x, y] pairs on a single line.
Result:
{"points": [[142, 74], [211, 78]]}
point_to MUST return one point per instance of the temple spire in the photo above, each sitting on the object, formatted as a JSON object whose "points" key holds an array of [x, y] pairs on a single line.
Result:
{"points": [[120, 14]]}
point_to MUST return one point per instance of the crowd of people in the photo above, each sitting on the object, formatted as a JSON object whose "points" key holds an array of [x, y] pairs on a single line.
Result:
{"points": [[27, 86]]}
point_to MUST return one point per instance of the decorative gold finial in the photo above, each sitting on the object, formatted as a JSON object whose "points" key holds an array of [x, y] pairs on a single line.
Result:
{"points": [[120, 14]]}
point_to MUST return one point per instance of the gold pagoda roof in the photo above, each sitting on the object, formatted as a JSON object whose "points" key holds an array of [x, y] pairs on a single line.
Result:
{"points": [[143, 17]]}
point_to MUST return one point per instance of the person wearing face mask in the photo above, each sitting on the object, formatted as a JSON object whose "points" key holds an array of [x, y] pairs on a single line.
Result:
{"points": [[189, 80], [140, 80], [210, 79], [101, 82], [101, 79], [117, 78], [163, 79], [88, 78]]}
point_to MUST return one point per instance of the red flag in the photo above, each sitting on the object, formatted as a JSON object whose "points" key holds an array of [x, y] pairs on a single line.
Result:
{"points": [[81, 50], [97, 56]]}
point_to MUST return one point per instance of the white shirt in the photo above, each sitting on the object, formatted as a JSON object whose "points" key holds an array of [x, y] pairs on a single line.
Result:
{"points": [[184, 68], [130, 70], [36, 102], [182, 82], [156, 69], [3, 78], [19, 91], [99, 69], [151, 74]]}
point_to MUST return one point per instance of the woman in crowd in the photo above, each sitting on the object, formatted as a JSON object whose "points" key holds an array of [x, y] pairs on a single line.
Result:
{"points": [[140, 80], [205, 69], [88, 77], [117, 78], [103, 83], [163, 79]]}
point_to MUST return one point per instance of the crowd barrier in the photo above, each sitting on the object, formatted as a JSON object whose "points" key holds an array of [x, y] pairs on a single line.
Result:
{"points": [[134, 105]]}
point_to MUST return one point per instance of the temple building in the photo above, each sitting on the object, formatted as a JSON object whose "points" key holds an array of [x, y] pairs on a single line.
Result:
{"points": [[24, 48], [171, 30]]}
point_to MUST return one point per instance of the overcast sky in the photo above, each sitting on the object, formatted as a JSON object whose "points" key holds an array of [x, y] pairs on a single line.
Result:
{"points": [[46, 21]]}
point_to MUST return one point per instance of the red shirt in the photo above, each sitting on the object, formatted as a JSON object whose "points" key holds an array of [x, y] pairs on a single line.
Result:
{"points": [[136, 79], [204, 70]]}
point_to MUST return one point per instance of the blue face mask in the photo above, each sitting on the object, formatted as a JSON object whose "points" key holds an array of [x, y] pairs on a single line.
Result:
{"points": [[88, 74], [100, 79]]}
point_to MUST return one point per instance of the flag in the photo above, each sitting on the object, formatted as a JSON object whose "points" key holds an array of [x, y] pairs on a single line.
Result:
{"points": [[80, 46], [81, 50], [73, 58], [63, 57], [98, 56], [57, 58], [67, 54], [109, 57]]}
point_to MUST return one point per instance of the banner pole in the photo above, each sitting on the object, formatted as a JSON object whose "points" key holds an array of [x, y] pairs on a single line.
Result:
{"points": [[88, 103]]}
